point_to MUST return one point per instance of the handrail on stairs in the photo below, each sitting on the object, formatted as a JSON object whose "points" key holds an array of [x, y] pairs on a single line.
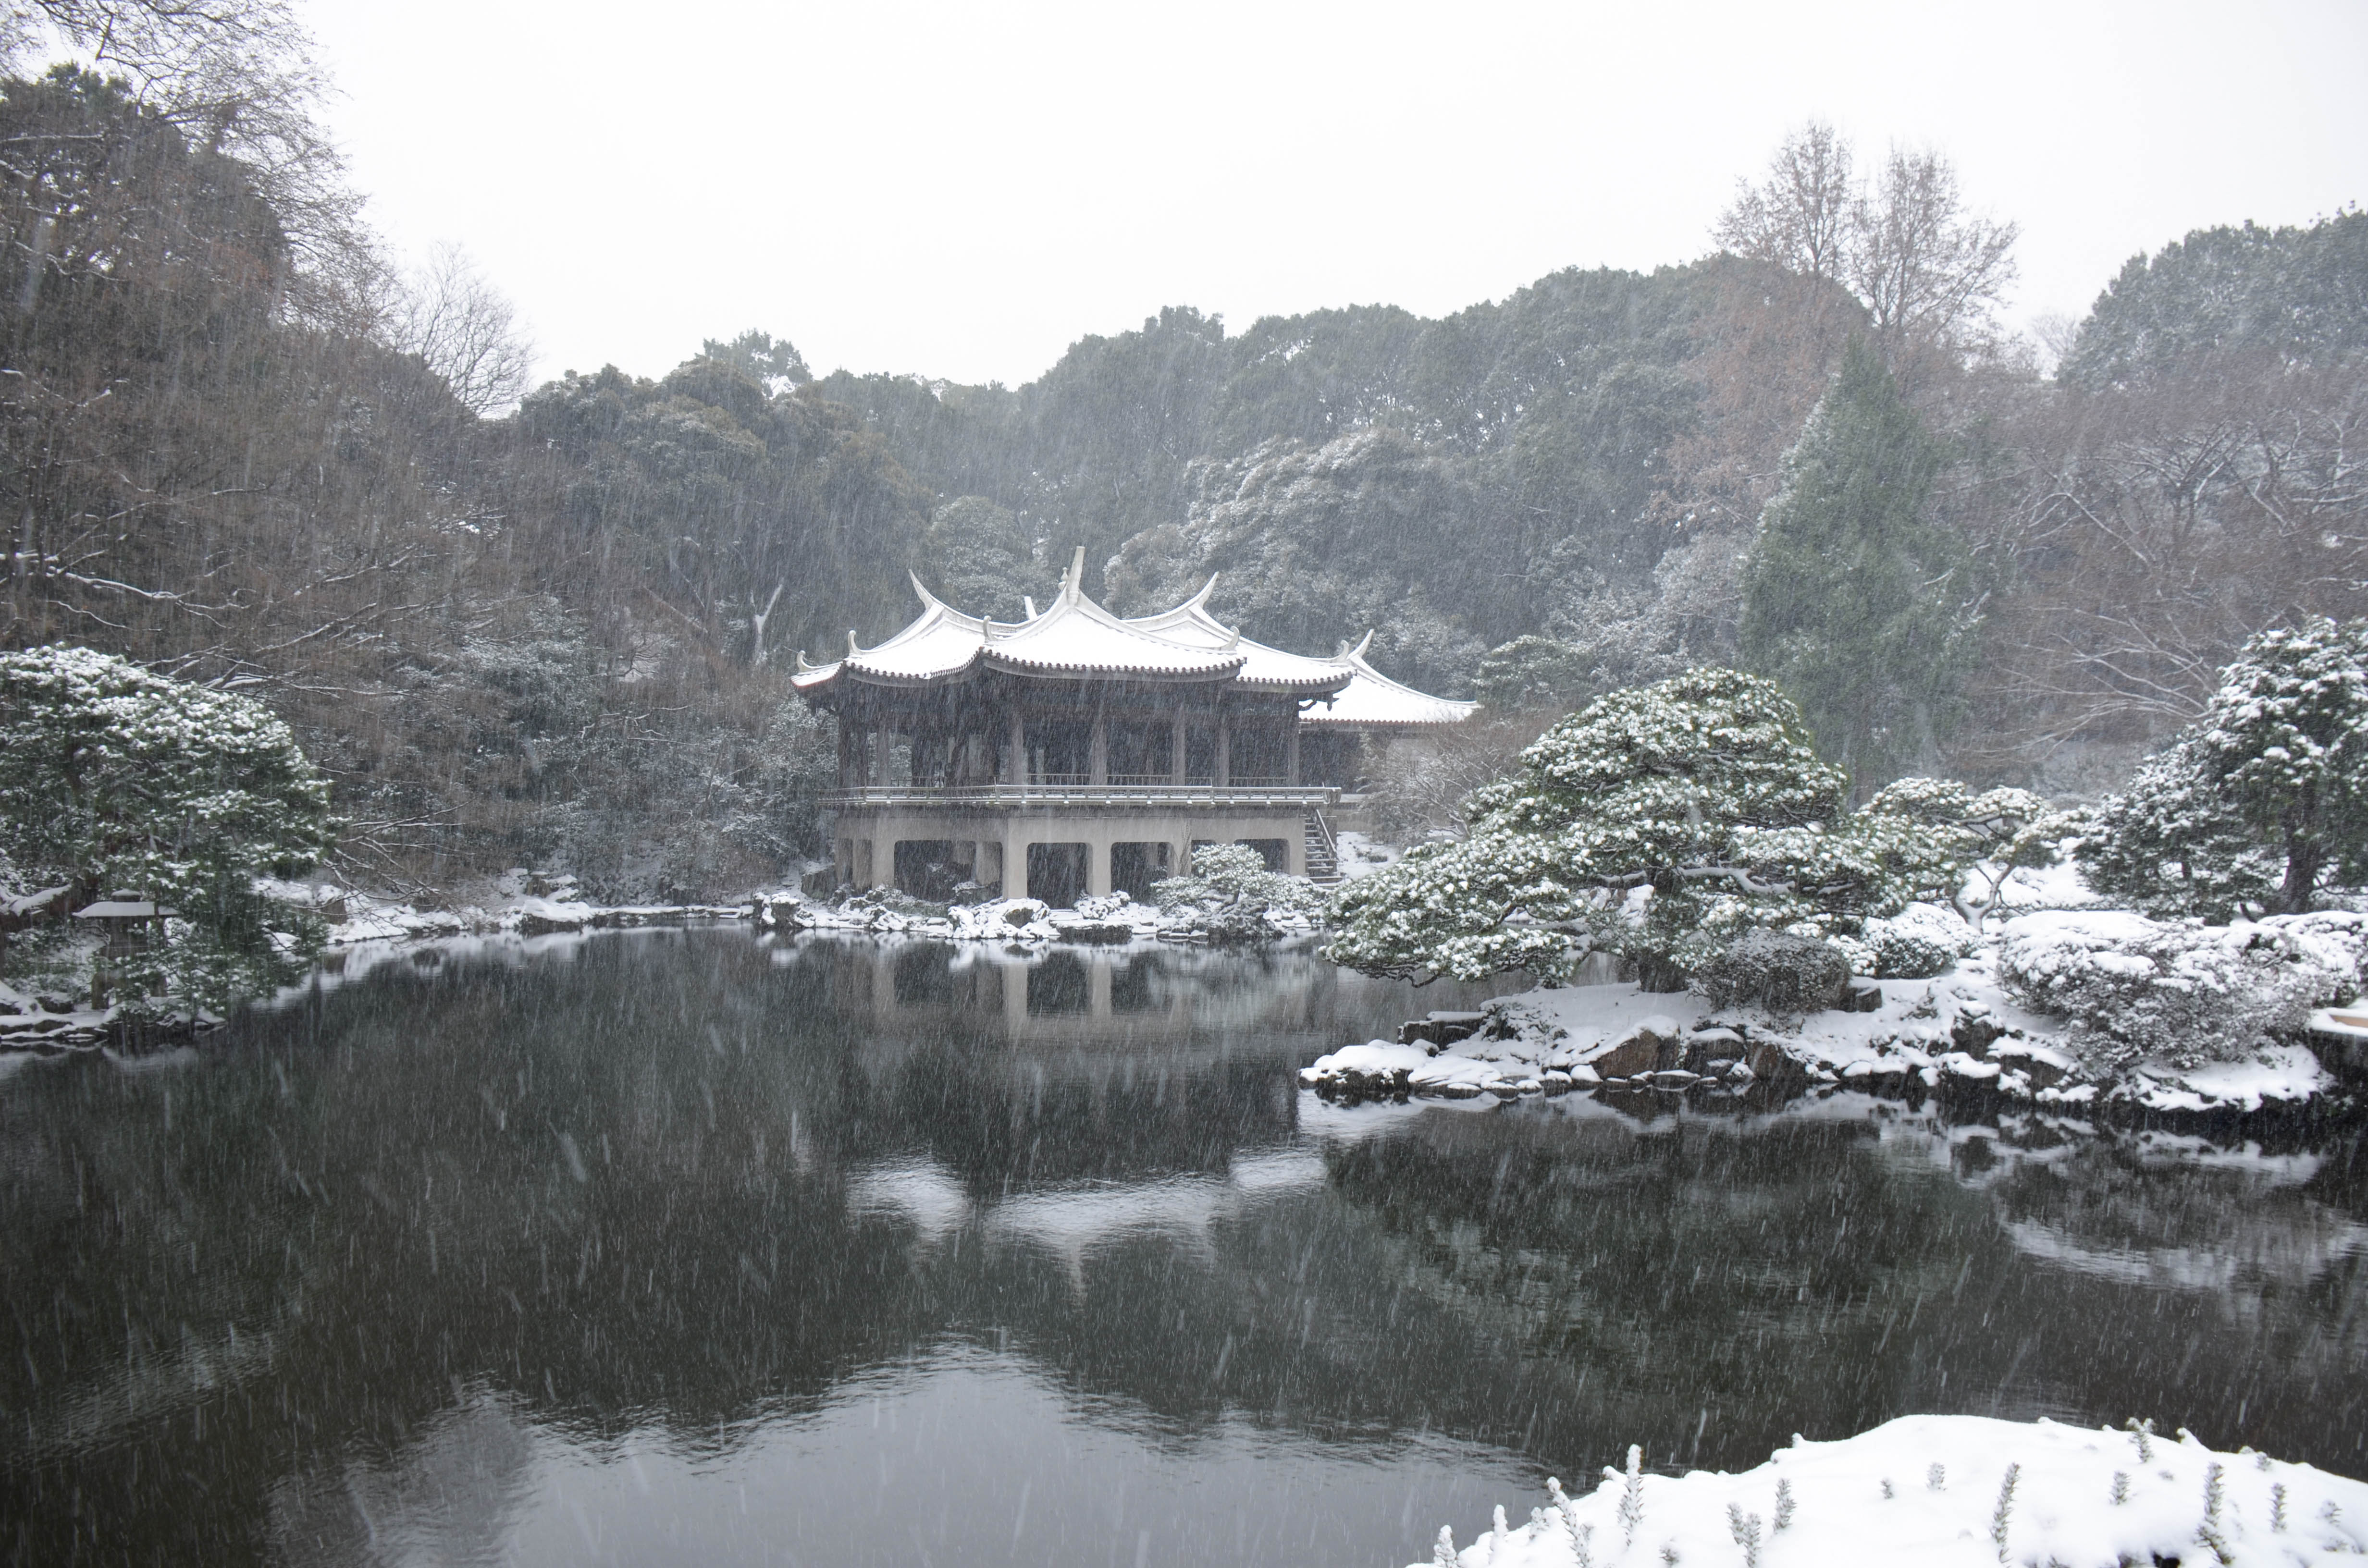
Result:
{"points": [[1323, 832]]}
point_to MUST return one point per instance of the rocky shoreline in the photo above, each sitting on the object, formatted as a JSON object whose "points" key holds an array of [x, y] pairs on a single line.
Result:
{"points": [[1956, 1039]]}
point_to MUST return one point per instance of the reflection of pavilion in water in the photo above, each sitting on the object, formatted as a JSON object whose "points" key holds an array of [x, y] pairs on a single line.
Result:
{"points": [[1133, 995]]}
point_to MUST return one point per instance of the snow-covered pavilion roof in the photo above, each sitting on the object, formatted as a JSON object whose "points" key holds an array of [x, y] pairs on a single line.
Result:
{"points": [[1371, 700], [1074, 636], [1077, 637], [1263, 668]]}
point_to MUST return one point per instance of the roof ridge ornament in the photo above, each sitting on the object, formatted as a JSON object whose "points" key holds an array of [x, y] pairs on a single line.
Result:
{"points": [[928, 600], [1028, 602], [1363, 643], [851, 648], [1072, 587], [1201, 598], [803, 667]]}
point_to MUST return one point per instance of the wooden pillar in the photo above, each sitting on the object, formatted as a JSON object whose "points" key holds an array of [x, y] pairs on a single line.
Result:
{"points": [[1176, 751], [1097, 751], [1224, 750], [1291, 750], [1015, 766]]}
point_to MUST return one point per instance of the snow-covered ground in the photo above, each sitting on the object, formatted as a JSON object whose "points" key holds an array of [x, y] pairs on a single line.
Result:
{"points": [[1947, 1489], [1361, 856], [519, 900], [1959, 1028], [1963, 1028], [1112, 917]]}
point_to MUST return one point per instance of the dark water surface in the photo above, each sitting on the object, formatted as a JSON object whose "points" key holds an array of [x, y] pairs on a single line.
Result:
{"points": [[691, 1248]]}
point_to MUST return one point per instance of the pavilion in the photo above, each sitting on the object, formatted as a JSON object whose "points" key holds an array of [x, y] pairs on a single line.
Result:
{"points": [[1079, 751]]}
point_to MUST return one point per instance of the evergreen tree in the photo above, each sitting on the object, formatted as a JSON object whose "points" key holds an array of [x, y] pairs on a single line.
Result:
{"points": [[977, 557], [1661, 822], [2297, 295], [118, 780], [1855, 601], [2275, 774]]}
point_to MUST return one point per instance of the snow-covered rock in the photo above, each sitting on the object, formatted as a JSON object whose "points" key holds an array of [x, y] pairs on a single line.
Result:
{"points": [[1942, 1490], [1960, 1031]]}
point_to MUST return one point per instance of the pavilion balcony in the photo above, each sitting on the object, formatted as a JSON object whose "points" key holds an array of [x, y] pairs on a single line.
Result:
{"points": [[1058, 789]]}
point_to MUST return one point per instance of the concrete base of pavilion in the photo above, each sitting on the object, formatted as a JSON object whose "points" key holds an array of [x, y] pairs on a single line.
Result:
{"points": [[1060, 844]]}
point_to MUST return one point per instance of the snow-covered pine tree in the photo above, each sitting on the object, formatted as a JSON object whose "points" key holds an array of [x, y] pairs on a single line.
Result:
{"points": [[1229, 891], [1854, 599], [1703, 790], [116, 779], [1999, 831], [2262, 799]]}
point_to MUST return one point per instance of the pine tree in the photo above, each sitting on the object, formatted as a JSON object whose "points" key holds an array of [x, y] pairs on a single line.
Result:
{"points": [[118, 780], [1702, 789], [2263, 800], [1858, 603]]}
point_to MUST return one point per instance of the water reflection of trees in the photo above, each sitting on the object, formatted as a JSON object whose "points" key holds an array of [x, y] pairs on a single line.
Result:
{"points": [[685, 1182], [1821, 1275], [611, 1186]]}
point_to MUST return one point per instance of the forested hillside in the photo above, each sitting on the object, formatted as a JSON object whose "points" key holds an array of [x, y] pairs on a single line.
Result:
{"points": [[550, 624]]}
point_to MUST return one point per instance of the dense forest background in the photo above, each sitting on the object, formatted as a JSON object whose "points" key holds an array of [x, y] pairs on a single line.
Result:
{"points": [[552, 624]]}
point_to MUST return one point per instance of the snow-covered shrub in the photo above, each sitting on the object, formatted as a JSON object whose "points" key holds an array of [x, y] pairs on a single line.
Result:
{"points": [[2335, 939], [1778, 969], [1702, 790], [893, 901], [2135, 988], [1229, 894], [2264, 799], [1922, 939]]}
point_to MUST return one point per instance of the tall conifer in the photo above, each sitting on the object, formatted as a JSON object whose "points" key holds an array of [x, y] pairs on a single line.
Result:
{"points": [[1855, 601]]}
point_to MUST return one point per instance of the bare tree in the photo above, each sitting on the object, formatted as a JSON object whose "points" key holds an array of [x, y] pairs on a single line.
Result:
{"points": [[238, 78], [1800, 216], [1928, 273], [2151, 531], [465, 329], [1926, 269]]}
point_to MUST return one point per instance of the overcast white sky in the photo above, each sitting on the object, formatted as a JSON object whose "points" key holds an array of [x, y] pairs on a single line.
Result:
{"points": [[963, 190]]}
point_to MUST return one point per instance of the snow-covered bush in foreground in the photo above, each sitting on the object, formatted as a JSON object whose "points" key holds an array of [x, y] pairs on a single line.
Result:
{"points": [[1792, 974], [2134, 988], [1943, 1490]]}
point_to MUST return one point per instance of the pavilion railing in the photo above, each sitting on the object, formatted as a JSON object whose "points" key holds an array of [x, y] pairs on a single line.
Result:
{"points": [[1238, 792]]}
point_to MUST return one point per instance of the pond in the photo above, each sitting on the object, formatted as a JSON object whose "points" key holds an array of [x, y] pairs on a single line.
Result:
{"points": [[699, 1247]]}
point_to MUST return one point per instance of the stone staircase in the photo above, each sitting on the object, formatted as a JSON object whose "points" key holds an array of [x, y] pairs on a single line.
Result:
{"points": [[1323, 851]]}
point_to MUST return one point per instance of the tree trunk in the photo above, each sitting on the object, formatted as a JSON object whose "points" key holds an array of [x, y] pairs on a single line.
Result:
{"points": [[2303, 856], [1656, 973]]}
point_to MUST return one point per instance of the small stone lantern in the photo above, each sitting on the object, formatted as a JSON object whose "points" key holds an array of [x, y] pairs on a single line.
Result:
{"points": [[132, 927]]}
